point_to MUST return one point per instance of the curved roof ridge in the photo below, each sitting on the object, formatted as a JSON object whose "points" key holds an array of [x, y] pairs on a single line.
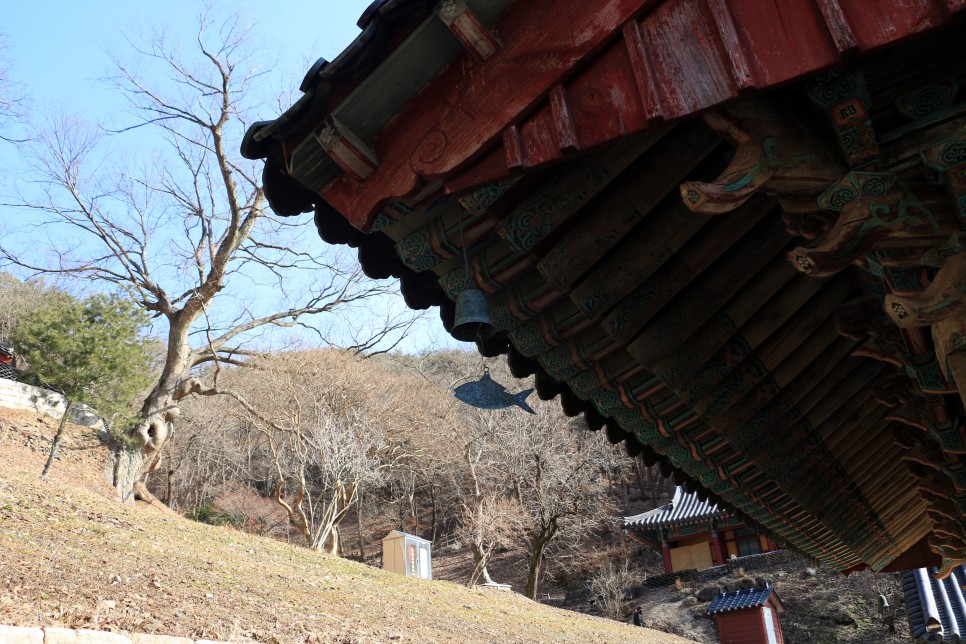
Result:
{"points": [[684, 507]]}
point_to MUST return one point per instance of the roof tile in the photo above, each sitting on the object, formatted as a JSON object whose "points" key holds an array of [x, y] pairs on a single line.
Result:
{"points": [[739, 599], [685, 507], [935, 608]]}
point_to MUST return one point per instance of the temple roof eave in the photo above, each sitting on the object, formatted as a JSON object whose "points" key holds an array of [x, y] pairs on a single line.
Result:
{"points": [[617, 364]]}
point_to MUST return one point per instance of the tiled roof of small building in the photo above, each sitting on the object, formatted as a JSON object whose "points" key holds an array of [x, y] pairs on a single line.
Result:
{"points": [[739, 599], [936, 608], [685, 507], [8, 372]]}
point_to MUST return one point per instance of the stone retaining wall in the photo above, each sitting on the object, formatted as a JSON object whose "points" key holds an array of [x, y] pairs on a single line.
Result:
{"points": [[17, 395], [51, 635]]}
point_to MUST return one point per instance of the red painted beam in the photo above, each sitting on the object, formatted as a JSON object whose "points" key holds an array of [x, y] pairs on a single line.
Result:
{"points": [[687, 56], [465, 109], [639, 61]]}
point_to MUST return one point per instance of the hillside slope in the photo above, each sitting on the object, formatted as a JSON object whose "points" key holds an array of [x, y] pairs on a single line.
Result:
{"points": [[71, 557]]}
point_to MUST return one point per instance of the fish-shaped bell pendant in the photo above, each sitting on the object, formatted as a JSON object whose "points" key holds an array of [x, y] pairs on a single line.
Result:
{"points": [[486, 393]]}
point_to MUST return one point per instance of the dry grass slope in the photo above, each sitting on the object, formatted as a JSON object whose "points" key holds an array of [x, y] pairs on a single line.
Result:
{"points": [[71, 557]]}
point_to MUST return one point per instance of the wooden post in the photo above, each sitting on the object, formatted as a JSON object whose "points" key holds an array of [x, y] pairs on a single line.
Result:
{"points": [[718, 549], [362, 541], [666, 553]]}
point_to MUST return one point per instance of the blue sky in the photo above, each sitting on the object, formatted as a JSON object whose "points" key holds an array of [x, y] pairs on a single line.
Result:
{"points": [[58, 51], [58, 47]]}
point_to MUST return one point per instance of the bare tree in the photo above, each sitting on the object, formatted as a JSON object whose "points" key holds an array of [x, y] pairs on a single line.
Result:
{"points": [[556, 478], [609, 587], [328, 461], [523, 479], [330, 424], [213, 451], [186, 235], [490, 517], [12, 99]]}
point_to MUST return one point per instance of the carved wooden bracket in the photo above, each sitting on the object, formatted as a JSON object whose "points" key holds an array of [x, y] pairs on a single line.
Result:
{"points": [[877, 211], [346, 149], [945, 297], [895, 391], [952, 551], [774, 155], [949, 158], [930, 415], [470, 31], [949, 522], [862, 318], [942, 482], [949, 338], [941, 305]]}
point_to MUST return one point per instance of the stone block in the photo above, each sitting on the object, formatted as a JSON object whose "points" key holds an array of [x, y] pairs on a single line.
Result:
{"points": [[54, 635], [101, 637], [21, 635], [145, 638]]}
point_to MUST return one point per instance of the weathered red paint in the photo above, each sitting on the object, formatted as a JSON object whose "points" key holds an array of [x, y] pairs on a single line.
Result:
{"points": [[785, 38], [733, 46], [880, 23], [489, 169], [469, 105], [747, 626], [643, 69], [638, 60], [720, 553], [666, 554], [464, 24], [838, 26]]}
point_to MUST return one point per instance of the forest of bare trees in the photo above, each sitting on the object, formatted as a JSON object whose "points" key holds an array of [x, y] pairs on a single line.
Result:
{"points": [[324, 448]]}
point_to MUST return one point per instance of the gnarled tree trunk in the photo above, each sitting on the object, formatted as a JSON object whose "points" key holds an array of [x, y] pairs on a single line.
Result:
{"points": [[538, 547], [134, 458]]}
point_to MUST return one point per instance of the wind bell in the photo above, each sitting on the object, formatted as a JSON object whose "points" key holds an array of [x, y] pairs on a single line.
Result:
{"points": [[471, 321], [472, 317]]}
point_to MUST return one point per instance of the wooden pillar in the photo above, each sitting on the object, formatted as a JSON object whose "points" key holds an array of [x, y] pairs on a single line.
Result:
{"points": [[666, 553], [719, 554]]}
